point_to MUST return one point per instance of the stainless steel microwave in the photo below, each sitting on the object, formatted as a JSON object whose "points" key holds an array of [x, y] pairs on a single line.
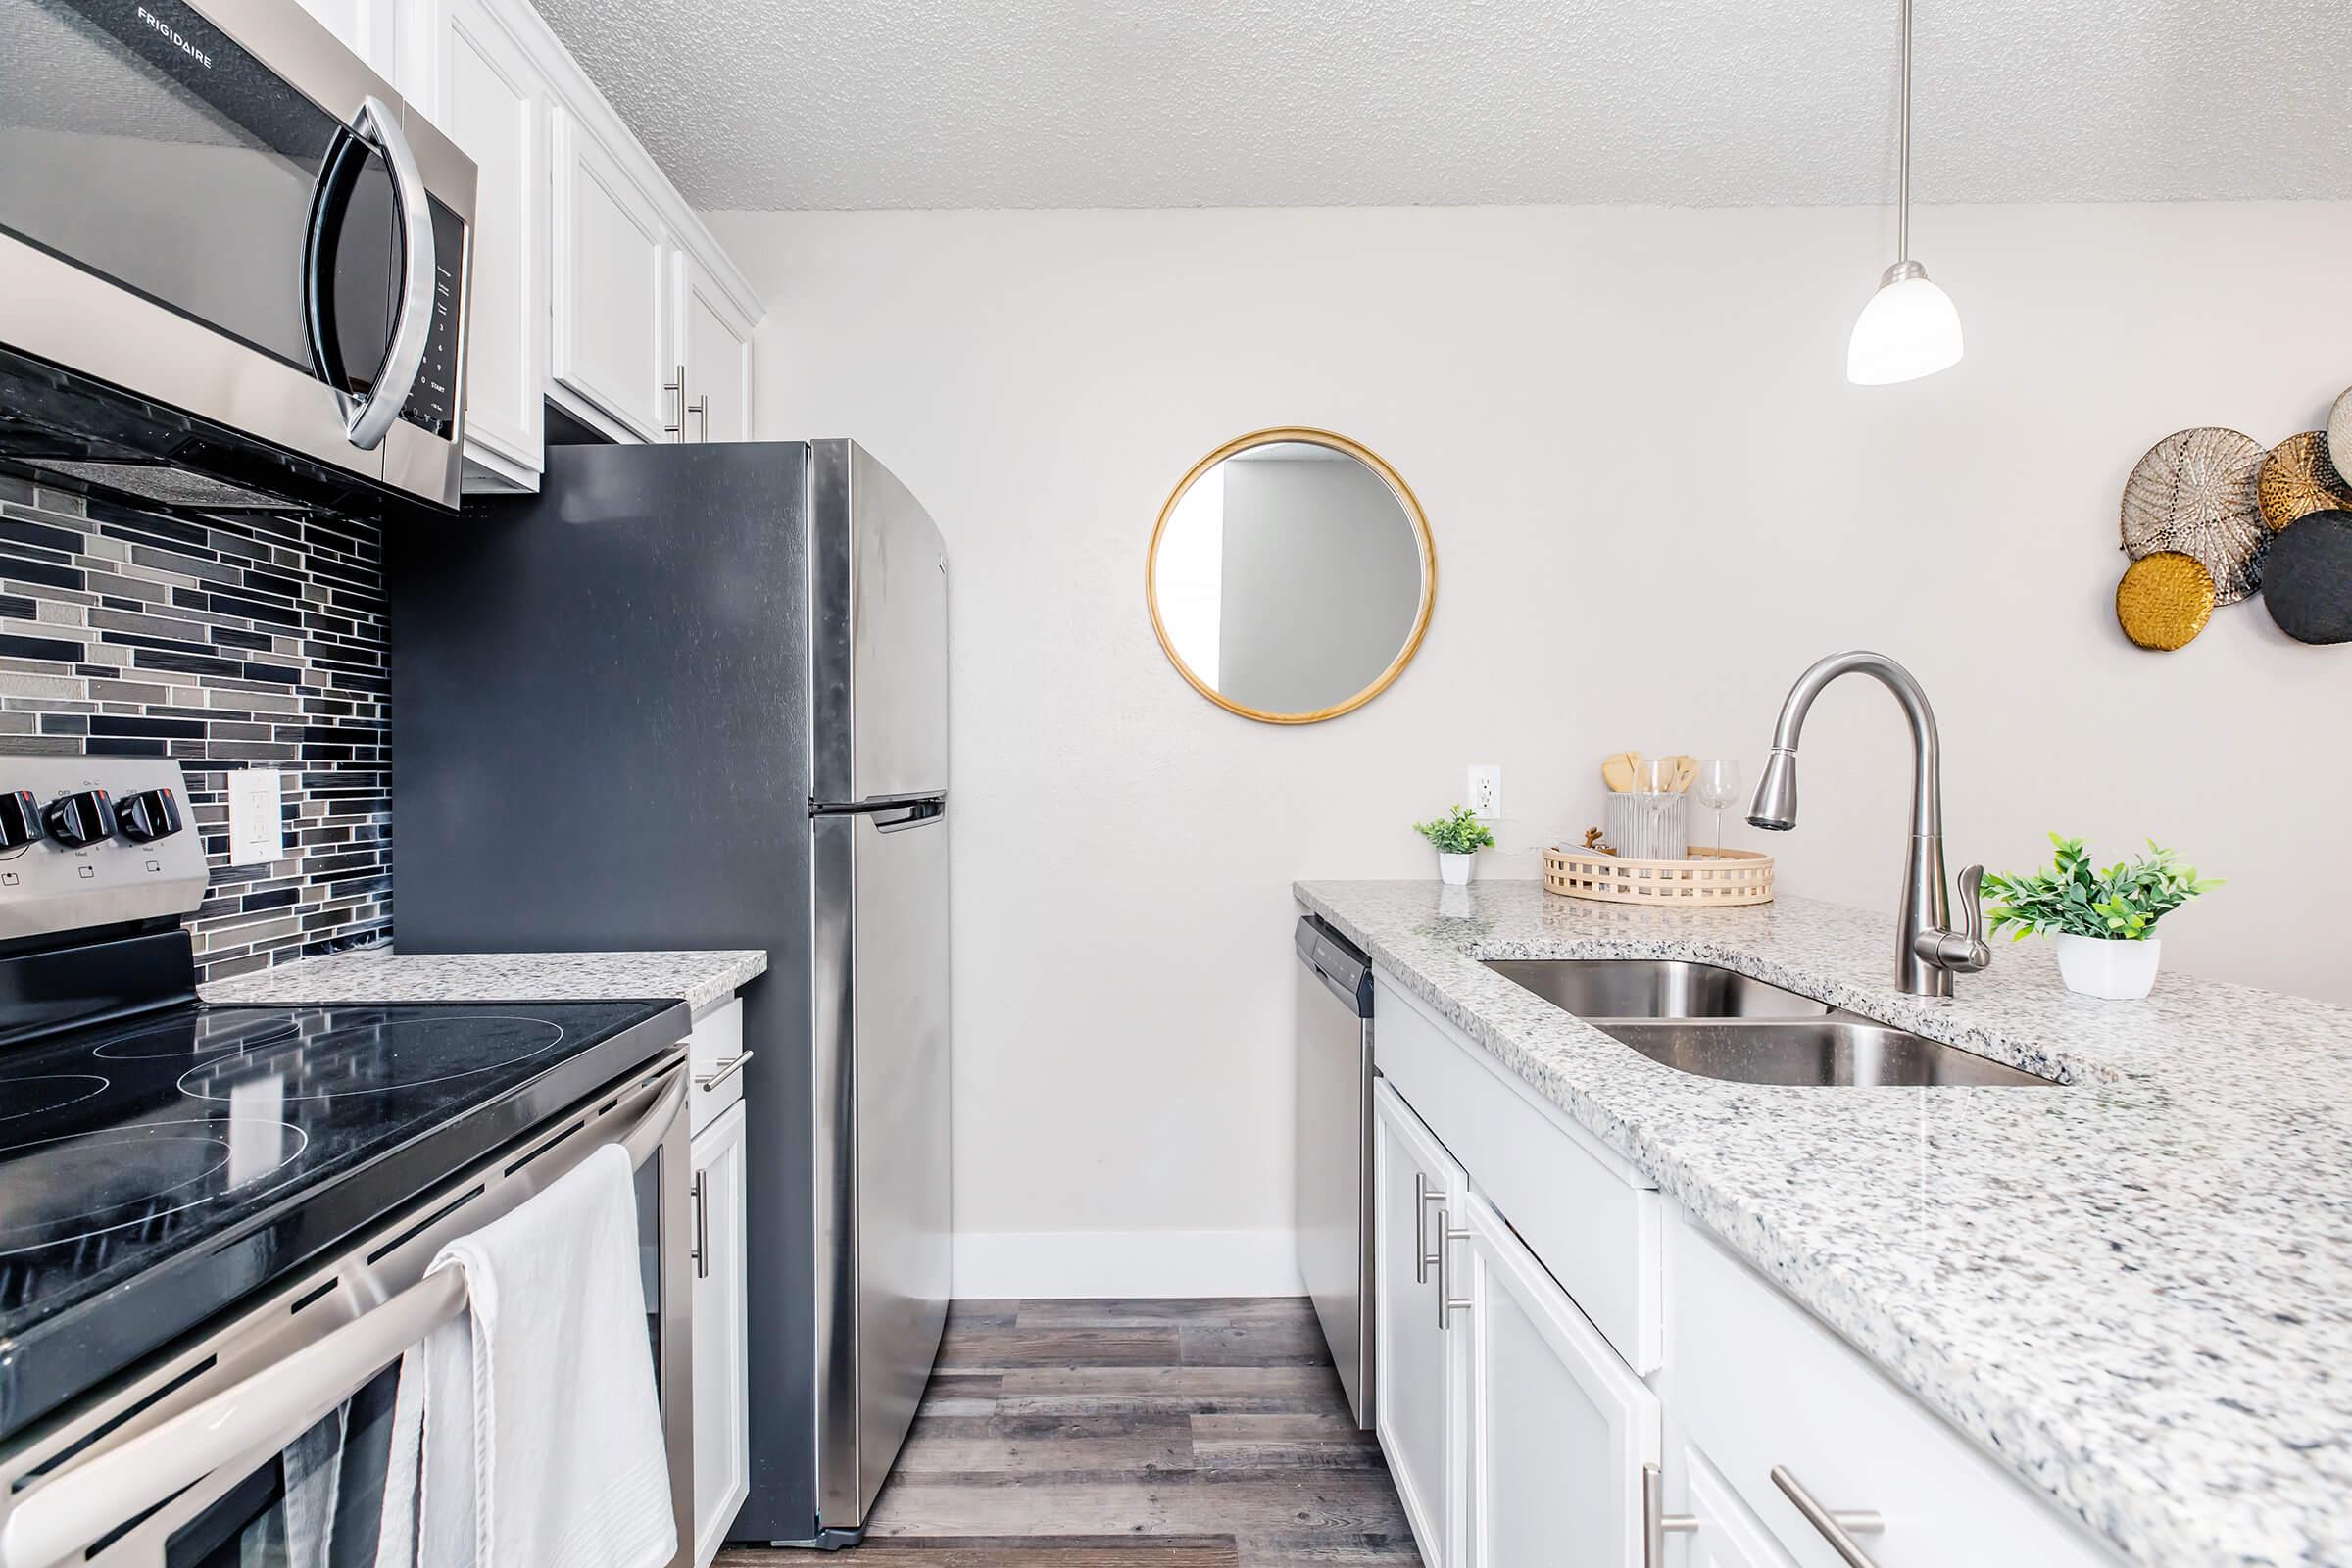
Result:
{"points": [[232, 262]]}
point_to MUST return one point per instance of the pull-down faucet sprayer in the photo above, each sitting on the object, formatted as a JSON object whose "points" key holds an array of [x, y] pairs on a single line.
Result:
{"points": [[1927, 952]]}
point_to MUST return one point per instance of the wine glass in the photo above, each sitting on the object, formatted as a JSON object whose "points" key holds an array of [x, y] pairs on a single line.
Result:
{"points": [[1718, 786]]}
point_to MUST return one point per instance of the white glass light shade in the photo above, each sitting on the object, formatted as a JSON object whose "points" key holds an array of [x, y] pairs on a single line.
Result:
{"points": [[1908, 330]]}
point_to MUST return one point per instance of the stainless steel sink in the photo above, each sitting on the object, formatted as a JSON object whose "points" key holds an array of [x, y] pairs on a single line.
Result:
{"points": [[1811, 1052], [1652, 988], [1717, 1023]]}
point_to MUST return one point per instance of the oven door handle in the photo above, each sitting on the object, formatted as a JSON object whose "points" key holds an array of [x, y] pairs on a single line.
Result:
{"points": [[75, 1507], [368, 420]]}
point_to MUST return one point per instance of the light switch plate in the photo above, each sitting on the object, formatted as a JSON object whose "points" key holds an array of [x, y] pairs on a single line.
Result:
{"points": [[256, 829], [1486, 790]]}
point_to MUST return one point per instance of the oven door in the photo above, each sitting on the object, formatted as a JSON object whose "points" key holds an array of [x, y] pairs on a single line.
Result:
{"points": [[221, 209], [282, 1460]]}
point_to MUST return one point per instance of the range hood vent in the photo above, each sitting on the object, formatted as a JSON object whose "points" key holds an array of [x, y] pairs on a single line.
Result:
{"points": [[176, 488]]}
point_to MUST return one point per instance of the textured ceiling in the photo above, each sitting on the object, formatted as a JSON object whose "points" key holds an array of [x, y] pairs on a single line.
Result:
{"points": [[1187, 103]]}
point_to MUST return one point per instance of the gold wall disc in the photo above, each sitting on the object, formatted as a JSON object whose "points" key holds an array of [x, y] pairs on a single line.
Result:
{"points": [[2298, 479], [2163, 599]]}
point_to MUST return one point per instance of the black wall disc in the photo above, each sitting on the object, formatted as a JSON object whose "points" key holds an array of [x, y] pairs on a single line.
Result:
{"points": [[2307, 579]]}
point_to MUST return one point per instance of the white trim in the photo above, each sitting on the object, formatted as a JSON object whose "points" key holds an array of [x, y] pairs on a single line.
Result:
{"points": [[1000, 1264]]}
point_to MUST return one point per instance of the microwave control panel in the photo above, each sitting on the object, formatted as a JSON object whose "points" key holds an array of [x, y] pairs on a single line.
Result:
{"points": [[433, 400]]}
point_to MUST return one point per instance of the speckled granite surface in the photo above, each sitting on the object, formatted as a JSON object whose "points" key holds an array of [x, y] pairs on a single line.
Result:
{"points": [[381, 975], [2135, 1292]]}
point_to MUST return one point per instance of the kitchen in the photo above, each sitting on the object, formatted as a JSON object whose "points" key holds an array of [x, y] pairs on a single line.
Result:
{"points": [[2101, 1312]]}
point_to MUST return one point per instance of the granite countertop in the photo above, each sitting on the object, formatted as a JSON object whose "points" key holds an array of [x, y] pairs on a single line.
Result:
{"points": [[700, 978], [2135, 1292]]}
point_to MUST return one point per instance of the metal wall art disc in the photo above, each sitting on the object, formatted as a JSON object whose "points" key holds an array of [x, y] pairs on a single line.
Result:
{"points": [[2194, 492], [2309, 591], [2164, 601], [2340, 424], [2297, 479]]}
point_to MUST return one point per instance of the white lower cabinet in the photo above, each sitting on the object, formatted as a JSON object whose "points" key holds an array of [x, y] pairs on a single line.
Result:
{"points": [[1718, 1530], [1560, 1429], [1509, 1409], [1420, 1362], [722, 1459]]}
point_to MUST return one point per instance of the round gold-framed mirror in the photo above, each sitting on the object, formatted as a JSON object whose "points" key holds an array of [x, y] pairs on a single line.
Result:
{"points": [[1290, 576]]}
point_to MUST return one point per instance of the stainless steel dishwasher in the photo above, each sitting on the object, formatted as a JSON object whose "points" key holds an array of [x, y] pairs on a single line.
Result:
{"points": [[1335, 1150]]}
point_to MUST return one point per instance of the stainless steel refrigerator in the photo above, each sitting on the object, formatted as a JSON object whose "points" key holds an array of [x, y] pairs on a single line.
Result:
{"points": [[690, 697]]}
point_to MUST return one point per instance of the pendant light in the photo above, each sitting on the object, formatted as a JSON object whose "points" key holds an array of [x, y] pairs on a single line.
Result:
{"points": [[1909, 328]]}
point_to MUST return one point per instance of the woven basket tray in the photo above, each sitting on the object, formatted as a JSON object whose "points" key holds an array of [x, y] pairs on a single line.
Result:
{"points": [[1711, 879]]}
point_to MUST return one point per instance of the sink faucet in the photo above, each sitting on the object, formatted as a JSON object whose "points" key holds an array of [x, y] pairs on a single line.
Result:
{"points": [[1928, 953]]}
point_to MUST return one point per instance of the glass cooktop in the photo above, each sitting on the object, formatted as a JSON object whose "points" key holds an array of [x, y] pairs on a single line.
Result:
{"points": [[155, 1170]]}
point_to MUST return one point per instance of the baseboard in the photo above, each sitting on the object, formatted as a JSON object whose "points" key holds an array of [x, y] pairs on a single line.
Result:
{"points": [[1126, 1263]]}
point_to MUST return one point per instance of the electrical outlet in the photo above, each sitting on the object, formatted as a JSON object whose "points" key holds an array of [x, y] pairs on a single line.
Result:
{"points": [[256, 829], [1486, 790]]}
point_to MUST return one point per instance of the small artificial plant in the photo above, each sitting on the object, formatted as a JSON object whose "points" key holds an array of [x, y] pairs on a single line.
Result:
{"points": [[1457, 832], [2074, 897]]}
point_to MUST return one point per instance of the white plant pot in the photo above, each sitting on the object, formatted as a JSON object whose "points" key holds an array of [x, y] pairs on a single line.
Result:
{"points": [[2098, 966], [1454, 869]]}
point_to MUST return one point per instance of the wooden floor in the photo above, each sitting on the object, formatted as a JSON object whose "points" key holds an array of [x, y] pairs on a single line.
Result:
{"points": [[1131, 1434]]}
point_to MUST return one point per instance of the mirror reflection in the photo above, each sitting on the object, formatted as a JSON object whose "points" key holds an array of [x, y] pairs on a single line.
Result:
{"points": [[1292, 576]]}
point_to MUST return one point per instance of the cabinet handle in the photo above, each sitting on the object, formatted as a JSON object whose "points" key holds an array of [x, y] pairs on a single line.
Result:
{"points": [[677, 386], [700, 407], [1656, 1523], [1448, 1303], [726, 1070], [1423, 1257], [1838, 1527], [701, 1254]]}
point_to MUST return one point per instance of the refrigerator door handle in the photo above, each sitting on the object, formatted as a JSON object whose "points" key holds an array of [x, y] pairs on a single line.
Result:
{"points": [[913, 814]]}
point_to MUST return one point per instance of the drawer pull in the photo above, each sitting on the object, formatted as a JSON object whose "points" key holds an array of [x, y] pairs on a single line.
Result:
{"points": [[1656, 1523], [1448, 1303], [726, 1070], [1840, 1527]]}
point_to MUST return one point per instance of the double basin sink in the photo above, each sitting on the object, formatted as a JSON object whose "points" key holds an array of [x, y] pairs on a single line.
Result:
{"points": [[1718, 1023]]}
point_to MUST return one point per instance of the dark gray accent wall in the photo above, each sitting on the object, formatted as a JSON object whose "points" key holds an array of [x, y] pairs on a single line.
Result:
{"points": [[241, 640]]}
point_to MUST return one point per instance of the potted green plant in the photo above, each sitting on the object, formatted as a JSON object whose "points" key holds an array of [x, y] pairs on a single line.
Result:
{"points": [[1456, 836], [2102, 921]]}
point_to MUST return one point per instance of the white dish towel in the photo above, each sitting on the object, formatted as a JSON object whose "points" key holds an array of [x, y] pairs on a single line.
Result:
{"points": [[526, 1432]]}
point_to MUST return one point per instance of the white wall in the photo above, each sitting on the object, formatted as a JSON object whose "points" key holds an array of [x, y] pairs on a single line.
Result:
{"points": [[1655, 499]]}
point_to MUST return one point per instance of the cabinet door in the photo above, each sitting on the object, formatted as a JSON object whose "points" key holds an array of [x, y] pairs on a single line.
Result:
{"points": [[1723, 1534], [611, 264], [484, 92], [1420, 1349], [1560, 1429], [716, 342], [722, 1459]]}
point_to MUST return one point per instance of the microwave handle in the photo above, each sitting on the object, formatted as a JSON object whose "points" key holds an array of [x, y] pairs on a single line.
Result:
{"points": [[73, 1508], [368, 420]]}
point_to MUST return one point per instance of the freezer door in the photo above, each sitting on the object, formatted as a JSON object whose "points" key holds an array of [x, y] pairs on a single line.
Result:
{"points": [[879, 590], [882, 1079]]}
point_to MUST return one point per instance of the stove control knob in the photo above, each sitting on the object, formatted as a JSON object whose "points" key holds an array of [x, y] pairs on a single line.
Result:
{"points": [[148, 816], [19, 818], [80, 819]]}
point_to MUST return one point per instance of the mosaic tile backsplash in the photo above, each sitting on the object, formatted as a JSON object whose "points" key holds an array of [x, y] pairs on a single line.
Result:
{"points": [[243, 640]]}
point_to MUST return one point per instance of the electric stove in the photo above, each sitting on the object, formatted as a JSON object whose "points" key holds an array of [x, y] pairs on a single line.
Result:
{"points": [[161, 1159]]}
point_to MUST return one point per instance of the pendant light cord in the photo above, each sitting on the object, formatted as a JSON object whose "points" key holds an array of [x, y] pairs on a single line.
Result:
{"points": [[1902, 196]]}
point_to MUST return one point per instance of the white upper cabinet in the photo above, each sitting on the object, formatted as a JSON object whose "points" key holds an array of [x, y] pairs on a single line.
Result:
{"points": [[368, 28], [715, 338], [613, 343], [475, 80], [593, 284]]}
